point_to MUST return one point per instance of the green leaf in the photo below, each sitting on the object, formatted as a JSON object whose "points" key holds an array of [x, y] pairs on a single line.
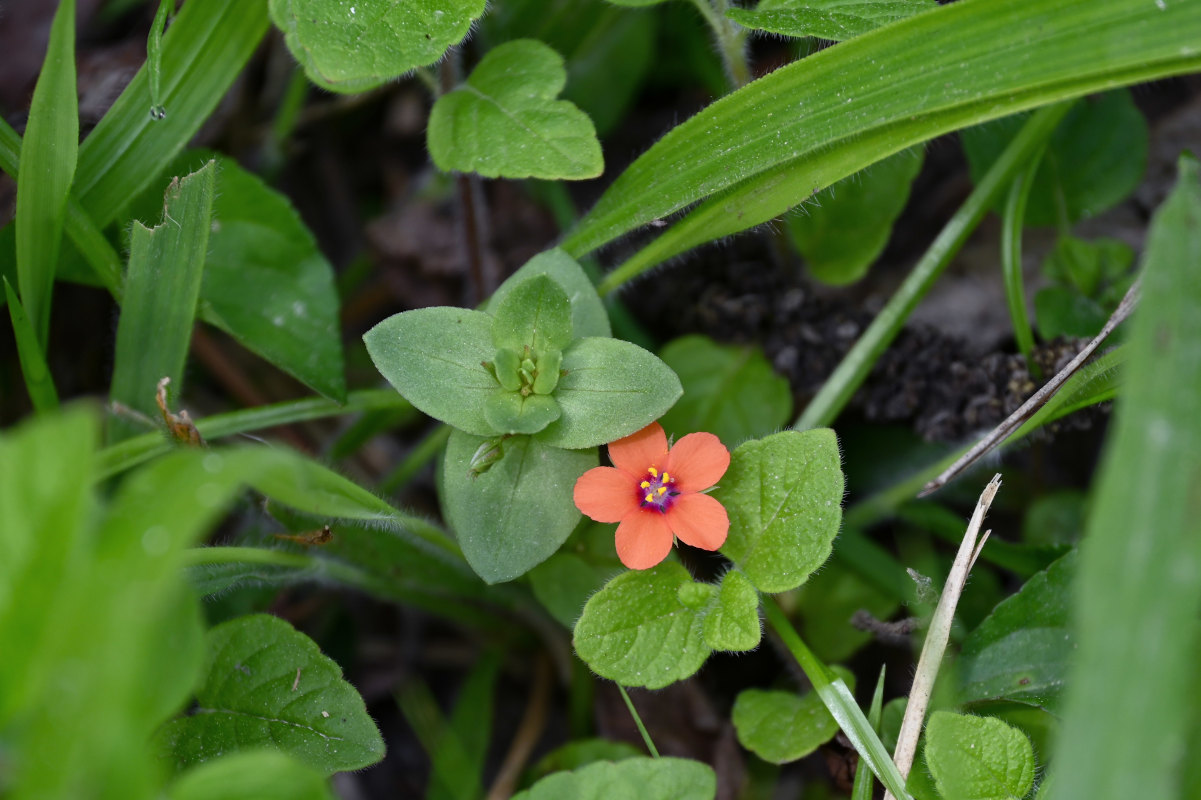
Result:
{"points": [[38, 381], [265, 774], [267, 284], [1060, 311], [1095, 159], [611, 389], [166, 265], [978, 758], [837, 20], [1022, 650], [563, 583], [1055, 518], [588, 315], [353, 47], [204, 50], [733, 621], [784, 497], [247, 700], [1139, 585], [515, 515], [770, 145], [536, 314], [1088, 265], [845, 229], [509, 412], [581, 753], [505, 121], [729, 391], [48, 156], [434, 357], [780, 727], [630, 779], [608, 51], [638, 632], [458, 756]]}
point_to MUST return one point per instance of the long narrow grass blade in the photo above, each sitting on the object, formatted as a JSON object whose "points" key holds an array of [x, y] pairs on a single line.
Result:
{"points": [[48, 157], [38, 382], [205, 48], [1133, 690], [166, 264]]}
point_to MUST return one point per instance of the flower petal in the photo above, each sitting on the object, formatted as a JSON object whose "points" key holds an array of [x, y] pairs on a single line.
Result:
{"points": [[606, 494], [643, 539], [636, 452], [697, 461], [699, 520]]}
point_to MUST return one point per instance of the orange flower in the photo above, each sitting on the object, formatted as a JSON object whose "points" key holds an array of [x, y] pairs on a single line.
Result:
{"points": [[654, 492]]}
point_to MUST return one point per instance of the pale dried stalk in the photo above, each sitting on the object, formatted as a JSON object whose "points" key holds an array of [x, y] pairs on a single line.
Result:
{"points": [[939, 633]]}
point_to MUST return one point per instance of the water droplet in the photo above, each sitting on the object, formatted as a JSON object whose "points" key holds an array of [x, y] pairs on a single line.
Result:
{"points": [[158, 112]]}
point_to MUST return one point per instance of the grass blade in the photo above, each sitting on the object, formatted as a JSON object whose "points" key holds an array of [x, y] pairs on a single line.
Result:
{"points": [[1012, 221], [1133, 689], [202, 53], [49, 154], [841, 704], [854, 367], [862, 787], [166, 264], [38, 381], [963, 63]]}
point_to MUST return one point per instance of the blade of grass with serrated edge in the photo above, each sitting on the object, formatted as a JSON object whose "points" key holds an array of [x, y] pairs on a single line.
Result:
{"points": [[166, 264], [203, 51], [48, 153], [38, 382], [961, 64], [1133, 686]]}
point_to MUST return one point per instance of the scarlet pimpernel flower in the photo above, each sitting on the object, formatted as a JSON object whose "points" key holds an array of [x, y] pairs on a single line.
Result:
{"points": [[654, 491]]}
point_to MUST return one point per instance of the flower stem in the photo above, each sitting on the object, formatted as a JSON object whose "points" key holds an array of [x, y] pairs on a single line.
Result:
{"points": [[646, 737], [730, 38]]}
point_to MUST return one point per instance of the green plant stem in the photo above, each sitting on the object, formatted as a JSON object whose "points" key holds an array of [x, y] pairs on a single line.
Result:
{"points": [[134, 451], [856, 365], [839, 701], [730, 39], [646, 737], [422, 454], [197, 556], [1012, 221]]}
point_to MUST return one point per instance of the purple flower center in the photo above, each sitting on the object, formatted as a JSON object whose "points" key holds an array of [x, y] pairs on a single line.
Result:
{"points": [[657, 492]]}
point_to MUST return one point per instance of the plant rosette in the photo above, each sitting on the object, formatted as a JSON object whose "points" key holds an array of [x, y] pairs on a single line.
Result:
{"points": [[531, 385]]}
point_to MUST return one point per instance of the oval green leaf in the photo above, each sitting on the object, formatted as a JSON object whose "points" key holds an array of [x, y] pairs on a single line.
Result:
{"points": [[268, 685], [358, 45], [636, 630], [509, 412], [780, 727], [784, 497], [505, 121], [588, 315], [517, 514], [733, 621], [434, 357], [978, 758], [629, 779], [536, 314], [251, 775], [611, 389]]}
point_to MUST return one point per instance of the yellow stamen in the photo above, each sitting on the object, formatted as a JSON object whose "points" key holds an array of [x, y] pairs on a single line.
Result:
{"points": [[654, 472], [645, 484], [666, 478], [649, 499]]}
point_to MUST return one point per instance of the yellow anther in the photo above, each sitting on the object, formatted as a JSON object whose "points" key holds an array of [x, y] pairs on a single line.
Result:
{"points": [[662, 490], [666, 478], [645, 484], [654, 472], [649, 499]]}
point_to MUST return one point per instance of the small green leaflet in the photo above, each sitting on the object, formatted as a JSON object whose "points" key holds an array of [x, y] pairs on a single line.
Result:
{"points": [[505, 121], [978, 758]]}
